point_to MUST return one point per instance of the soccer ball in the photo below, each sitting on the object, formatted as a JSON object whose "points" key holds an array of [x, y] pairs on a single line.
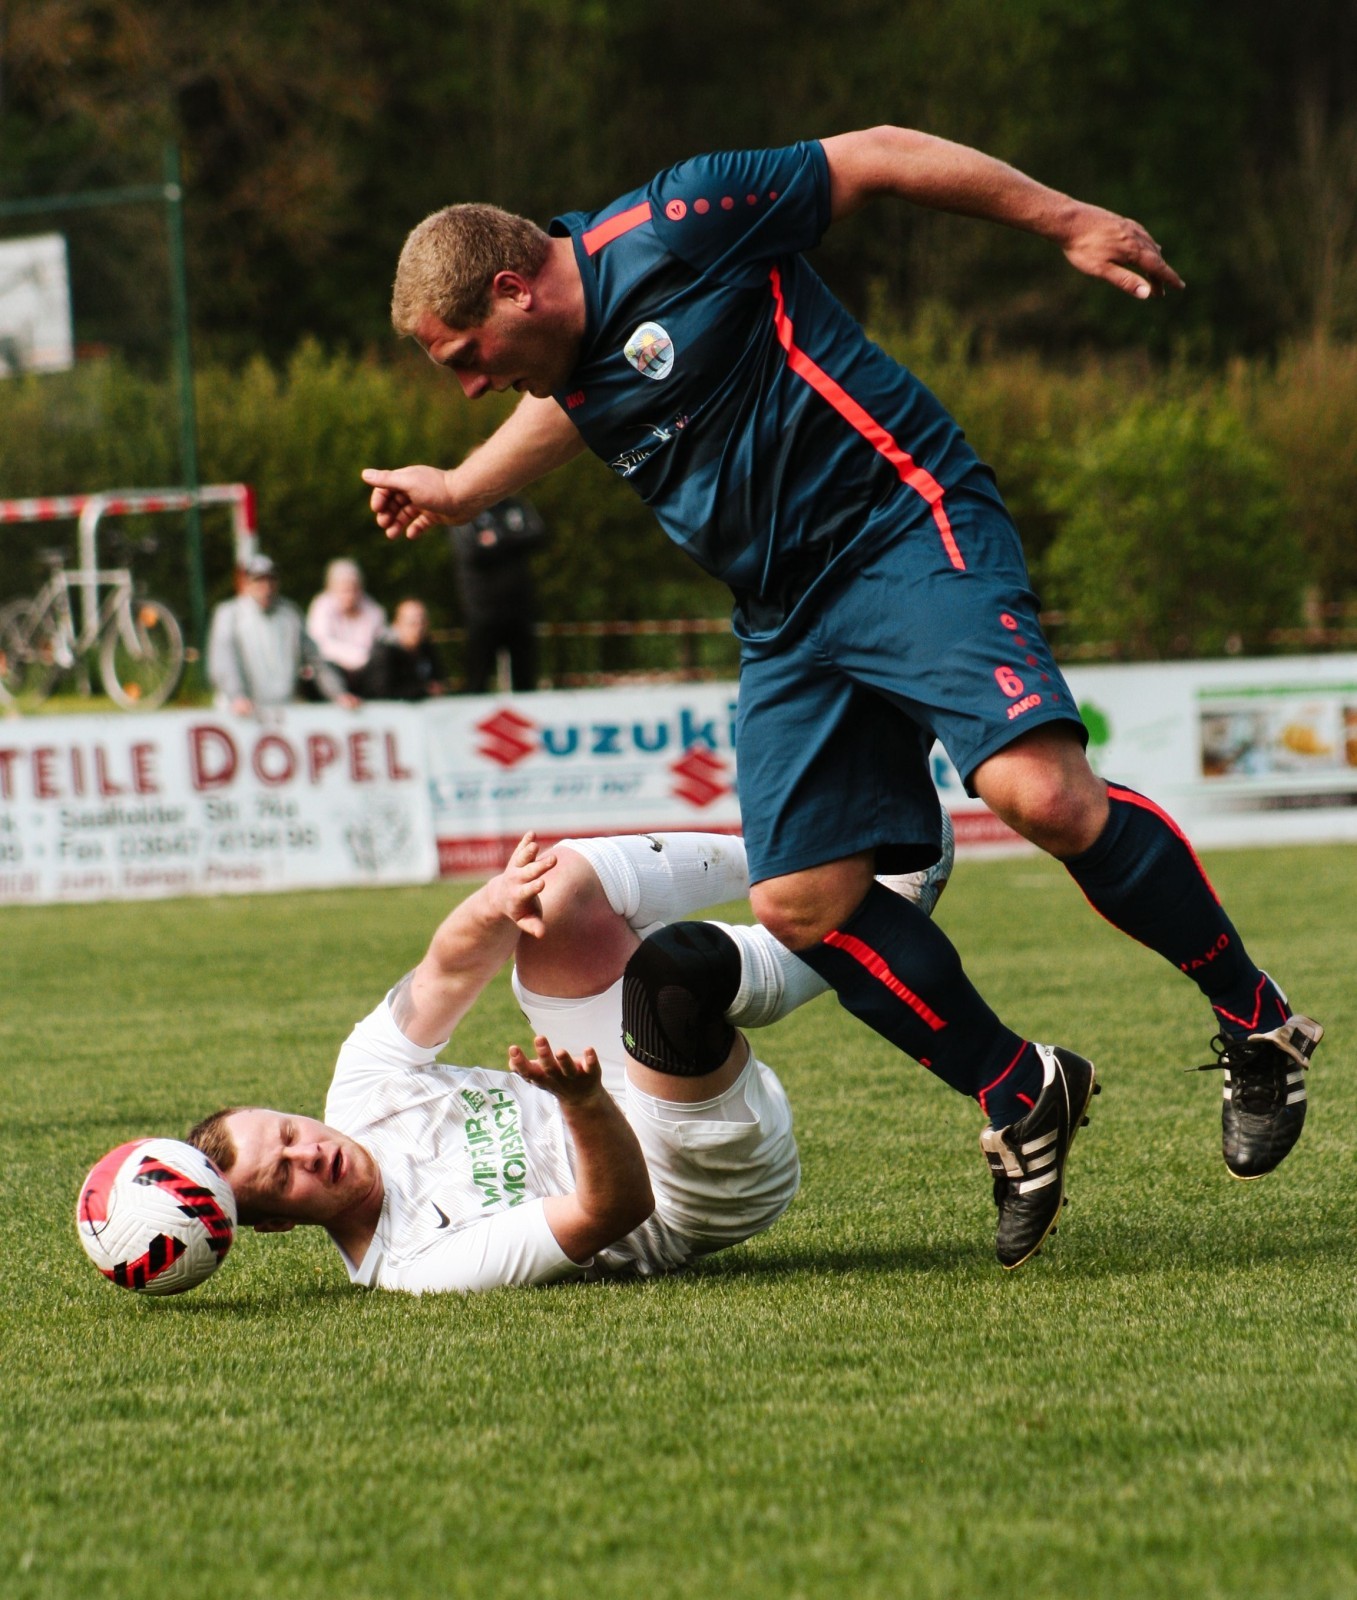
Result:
{"points": [[156, 1216]]}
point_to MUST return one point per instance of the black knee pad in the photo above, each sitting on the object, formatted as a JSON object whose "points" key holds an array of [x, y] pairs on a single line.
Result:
{"points": [[675, 992]]}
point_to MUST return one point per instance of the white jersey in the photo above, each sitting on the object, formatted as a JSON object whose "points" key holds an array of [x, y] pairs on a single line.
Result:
{"points": [[468, 1156]]}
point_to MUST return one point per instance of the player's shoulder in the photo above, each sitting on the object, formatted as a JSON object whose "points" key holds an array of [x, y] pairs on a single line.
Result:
{"points": [[706, 185], [740, 182]]}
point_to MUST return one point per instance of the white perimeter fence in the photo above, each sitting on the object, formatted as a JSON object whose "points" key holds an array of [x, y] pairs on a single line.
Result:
{"points": [[197, 802]]}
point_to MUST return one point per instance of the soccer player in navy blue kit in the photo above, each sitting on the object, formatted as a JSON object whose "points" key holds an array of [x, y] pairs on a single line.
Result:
{"points": [[881, 595]]}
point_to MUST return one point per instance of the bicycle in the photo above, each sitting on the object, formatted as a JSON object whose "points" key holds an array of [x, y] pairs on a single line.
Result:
{"points": [[140, 645]]}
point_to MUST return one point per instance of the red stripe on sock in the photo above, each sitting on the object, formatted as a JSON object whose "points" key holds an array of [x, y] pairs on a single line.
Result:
{"points": [[1133, 799], [983, 1092], [1247, 1022], [868, 958], [857, 418]]}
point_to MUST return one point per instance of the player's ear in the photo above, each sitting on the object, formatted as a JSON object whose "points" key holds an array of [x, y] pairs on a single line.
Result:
{"points": [[513, 287], [274, 1225]]}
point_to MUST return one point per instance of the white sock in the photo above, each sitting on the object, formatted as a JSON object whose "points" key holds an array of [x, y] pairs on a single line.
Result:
{"points": [[654, 878], [773, 982]]}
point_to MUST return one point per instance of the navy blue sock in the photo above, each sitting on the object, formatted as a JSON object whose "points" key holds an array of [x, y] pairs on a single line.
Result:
{"points": [[896, 970], [1144, 877]]}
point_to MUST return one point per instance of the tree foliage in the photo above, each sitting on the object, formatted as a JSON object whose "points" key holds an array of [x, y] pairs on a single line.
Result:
{"points": [[315, 136]]}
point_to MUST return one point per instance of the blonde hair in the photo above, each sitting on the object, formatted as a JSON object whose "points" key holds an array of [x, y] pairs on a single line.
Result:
{"points": [[449, 261], [342, 567], [217, 1143], [214, 1138]]}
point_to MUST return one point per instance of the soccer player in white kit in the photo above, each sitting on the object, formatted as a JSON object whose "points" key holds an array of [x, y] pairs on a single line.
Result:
{"points": [[589, 1157]]}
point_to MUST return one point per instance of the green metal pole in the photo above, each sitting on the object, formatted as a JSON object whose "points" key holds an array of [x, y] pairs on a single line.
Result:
{"points": [[82, 200], [188, 411], [171, 195]]}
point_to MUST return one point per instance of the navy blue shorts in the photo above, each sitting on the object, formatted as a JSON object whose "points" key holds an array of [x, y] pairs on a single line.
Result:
{"points": [[833, 732]]}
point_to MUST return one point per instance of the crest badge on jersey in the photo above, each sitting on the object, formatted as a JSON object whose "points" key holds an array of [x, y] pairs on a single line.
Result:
{"points": [[651, 351]]}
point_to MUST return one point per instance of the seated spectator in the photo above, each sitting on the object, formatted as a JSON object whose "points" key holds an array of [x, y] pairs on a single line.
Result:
{"points": [[404, 664], [344, 621], [259, 654]]}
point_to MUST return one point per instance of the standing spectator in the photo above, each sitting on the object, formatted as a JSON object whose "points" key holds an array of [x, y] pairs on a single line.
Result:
{"points": [[259, 653], [344, 621], [493, 553], [405, 664]]}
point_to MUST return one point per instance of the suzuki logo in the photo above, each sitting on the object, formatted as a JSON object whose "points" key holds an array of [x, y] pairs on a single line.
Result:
{"points": [[700, 777], [507, 738]]}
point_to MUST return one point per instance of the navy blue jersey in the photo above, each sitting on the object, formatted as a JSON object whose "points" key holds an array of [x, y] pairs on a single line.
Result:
{"points": [[719, 376]]}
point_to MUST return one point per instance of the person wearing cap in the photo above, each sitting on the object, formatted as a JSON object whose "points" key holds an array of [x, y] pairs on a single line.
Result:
{"points": [[259, 654]]}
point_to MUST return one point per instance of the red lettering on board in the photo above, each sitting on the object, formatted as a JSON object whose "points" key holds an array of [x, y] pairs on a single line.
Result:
{"points": [[212, 757]]}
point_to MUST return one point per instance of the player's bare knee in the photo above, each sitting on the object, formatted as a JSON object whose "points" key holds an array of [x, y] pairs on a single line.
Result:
{"points": [[1056, 814], [678, 985], [802, 907], [1043, 787], [586, 943]]}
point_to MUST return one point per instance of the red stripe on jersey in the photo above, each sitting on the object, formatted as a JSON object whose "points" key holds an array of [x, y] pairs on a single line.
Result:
{"points": [[867, 957], [923, 483], [615, 227]]}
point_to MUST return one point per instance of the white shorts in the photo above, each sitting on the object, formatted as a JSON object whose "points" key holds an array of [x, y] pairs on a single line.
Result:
{"points": [[722, 1170]]}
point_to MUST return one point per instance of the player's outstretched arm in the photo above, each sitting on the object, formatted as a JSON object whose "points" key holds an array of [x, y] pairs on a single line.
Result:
{"points": [[952, 177], [612, 1186], [535, 439], [470, 945]]}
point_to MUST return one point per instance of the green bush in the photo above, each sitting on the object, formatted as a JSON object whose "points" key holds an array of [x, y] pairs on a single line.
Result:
{"points": [[1019, 412], [1305, 408], [300, 435], [1174, 539], [1146, 499]]}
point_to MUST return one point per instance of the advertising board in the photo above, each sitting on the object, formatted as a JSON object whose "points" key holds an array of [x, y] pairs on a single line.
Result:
{"points": [[196, 802], [185, 802]]}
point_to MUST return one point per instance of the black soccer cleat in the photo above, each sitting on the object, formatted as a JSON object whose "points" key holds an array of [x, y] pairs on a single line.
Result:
{"points": [[1263, 1110], [1028, 1157]]}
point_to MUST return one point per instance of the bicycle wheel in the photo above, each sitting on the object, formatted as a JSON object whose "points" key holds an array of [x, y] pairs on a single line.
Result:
{"points": [[30, 654], [141, 656]]}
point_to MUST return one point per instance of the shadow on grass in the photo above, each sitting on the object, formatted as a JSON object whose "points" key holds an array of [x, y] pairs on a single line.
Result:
{"points": [[1092, 1256], [1090, 1253], [903, 1258], [245, 1302]]}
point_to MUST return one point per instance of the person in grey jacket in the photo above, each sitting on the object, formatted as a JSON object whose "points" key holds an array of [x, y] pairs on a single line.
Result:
{"points": [[259, 654]]}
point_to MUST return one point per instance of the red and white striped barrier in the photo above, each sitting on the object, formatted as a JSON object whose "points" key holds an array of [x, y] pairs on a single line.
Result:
{"points": [[91, 509]]}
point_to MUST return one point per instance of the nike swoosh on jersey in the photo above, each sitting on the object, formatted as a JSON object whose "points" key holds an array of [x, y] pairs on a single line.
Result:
{"points": [[444, 1220]]}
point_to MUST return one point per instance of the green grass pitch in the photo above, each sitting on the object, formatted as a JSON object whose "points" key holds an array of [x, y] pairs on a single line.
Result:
{"points": [[859, 1403]]}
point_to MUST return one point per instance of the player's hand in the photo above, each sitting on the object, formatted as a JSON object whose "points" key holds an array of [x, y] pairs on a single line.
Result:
{"points": [[1118, 250], [517, 890], [558, 1073], [410, 500]]}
